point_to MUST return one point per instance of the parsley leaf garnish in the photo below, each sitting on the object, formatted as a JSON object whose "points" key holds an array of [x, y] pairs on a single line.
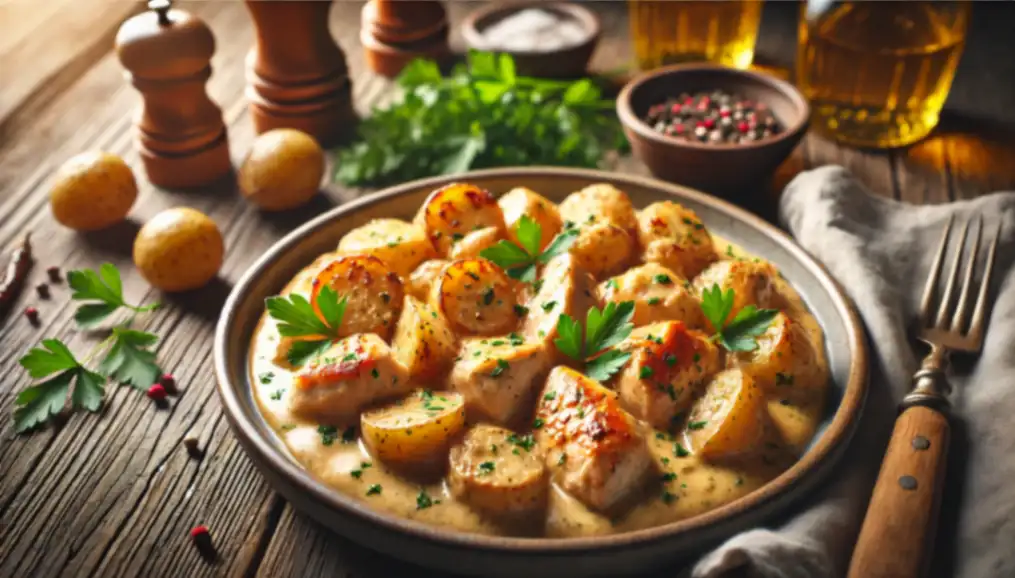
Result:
{"points": [[603, 329], [317, 328], [104, 292], [740, 333], [37, 404], [129, 360], [520, 261]]}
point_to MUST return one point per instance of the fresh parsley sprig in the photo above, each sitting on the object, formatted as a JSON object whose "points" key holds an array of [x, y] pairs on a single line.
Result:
{"points": [[36, 404], [314, 325], [130, 359], [739, 333], [520, 261], [603, 329], [104, 292]]}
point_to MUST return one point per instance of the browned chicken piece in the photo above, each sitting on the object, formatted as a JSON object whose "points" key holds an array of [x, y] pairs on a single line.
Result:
{"points": [[351, 374], [372, 291], [593, 447], [658, 295], [522, 202], [727, 420], [668, 365], [750, 281], [499, 472], [607, 228], [566, 289], [453, 211], [499, 376], [422, 278], [673, 236]]}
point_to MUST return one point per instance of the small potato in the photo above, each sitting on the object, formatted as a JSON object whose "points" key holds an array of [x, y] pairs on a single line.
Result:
{"points": [[727, 420], [658, 295], [416, 431], [401, 245], [283, 170], [751, 282], [603, 249], [373, 294], [522, 202], [498, 472], [600, 203], [784, 357], [423, 342], [423, 277], [476, 297], [475, 242], [673, 236], [453, 211], [92, 191], [178, 249]]}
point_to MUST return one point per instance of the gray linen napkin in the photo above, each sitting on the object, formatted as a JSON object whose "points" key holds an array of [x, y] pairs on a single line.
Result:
{"points": [[880, 251]]}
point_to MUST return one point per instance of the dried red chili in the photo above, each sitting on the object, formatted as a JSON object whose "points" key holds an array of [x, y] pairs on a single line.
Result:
{"points": [[17, 271]]}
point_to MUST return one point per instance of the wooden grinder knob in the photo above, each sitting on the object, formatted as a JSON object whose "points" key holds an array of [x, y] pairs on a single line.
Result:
{"points": [[180, 134], [396, 32]]}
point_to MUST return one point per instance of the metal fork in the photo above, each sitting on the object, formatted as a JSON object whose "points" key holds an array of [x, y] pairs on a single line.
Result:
{"points": [[897, 536]]}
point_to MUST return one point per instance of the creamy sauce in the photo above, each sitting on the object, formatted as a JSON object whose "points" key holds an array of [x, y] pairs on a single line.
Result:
{"points": [[688, 485]]}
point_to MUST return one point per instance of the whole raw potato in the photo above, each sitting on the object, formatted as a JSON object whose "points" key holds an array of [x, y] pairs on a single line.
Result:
{"points": [[92, 191], [283, 170], [179, 249]]}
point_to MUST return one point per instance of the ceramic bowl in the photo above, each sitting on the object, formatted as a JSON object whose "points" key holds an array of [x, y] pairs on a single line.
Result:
{"points": [[615, 555], [725, 169], [568, 62]]}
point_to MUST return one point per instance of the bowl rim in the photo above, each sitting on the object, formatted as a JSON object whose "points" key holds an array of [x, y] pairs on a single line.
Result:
{"points": [[830, 446], [587, 18], [632, 122]]}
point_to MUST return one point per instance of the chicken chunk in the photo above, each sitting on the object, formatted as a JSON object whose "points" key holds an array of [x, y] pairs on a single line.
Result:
{"points": [[668, 365], [475, 243], [402, 246], [600, 203], [499, 376], [603, 249], [566, 289], [673, 236], [658, 295], [498, 472], [422, 278], [351, 374], [593, 447], [751, 282], [522, 202]]}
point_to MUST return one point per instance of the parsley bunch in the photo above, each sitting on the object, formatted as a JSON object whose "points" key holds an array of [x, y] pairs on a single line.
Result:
{"points": [[739, 333], [603, 329], [520, 261], [483, 115], [315, 326]]}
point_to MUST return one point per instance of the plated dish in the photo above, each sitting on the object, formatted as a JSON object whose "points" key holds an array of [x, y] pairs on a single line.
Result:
{"points": [[488, 437]]}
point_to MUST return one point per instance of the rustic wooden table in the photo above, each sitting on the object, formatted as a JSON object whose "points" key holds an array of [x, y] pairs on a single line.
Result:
{"points": [[114, 494]]}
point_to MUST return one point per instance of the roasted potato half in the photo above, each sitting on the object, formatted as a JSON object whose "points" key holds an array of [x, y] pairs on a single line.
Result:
{"points": [[522, 202], [422, 278], [784, 358], [603, 249], [400, 245], [372, 291], [452, 212], [475, 242], [600, 203], [415, 431], [673, 236], [727, 420], [423, 342], [476, 297], [750, 281], [498, 472]]}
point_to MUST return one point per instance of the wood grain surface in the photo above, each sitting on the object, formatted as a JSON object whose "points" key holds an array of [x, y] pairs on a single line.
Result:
{"points": [[114, 494]]}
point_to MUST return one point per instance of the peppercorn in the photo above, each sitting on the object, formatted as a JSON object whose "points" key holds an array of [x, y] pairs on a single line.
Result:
{"points": [[193, 447], [156, 392], [54, 274], [201, 538], [43, 290], [33, 315], [168, 382]]}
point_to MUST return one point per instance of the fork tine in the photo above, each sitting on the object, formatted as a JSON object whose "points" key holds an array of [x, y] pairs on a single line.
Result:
{"points": [[980, 311], [959, 319], [946, 297], [935, 271]]}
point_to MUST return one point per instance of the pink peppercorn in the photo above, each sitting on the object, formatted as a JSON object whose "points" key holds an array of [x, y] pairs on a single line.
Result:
{"points": [[676, 108], [709, 123], [157, 392], [743, 127], [168, 382], [32, 314]]}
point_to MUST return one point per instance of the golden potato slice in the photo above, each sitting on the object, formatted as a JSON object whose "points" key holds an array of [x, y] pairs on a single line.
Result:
{"points": [[422, 278], [417, 430], [600, 203], [453, 211], [566, 289], [668, 365], [499, 472], [727, 420], [673, 236], [475, 242], [784, 358], [658, 295], [476, 297], [372, 291], [750, 281], [603, 249], [522, 202], [423, 342], [400, 245]]}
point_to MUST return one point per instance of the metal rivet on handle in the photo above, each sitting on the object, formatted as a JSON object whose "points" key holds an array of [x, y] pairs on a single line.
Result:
{"points": [[907, 482], [921, 443]]}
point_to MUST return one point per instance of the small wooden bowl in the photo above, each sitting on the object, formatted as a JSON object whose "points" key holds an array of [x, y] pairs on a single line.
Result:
{"points": [[568, 62], [724, 168]]}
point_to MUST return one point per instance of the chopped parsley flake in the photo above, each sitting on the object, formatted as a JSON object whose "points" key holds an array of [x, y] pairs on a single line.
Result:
{"points": [[374, 489], [645, 372], [663, 279], [697, 424], [521, 310], [266, 377], [328, 434], [277, 394], [501, 366], [423, 500], [680, 451], [548, 305], [486, 468], [654, 301]]}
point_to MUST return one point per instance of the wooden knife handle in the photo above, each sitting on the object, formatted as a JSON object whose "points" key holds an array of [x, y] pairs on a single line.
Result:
{"points": [[897, 537]]}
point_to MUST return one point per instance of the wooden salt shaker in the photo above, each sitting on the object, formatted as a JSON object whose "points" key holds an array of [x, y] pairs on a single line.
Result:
{"points": [[296, 73], [180, 134], [395, 32]]}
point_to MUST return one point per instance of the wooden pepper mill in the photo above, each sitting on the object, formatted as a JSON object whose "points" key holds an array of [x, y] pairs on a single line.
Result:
{"points": [[296, 73], [395, 32], [180, 134]]}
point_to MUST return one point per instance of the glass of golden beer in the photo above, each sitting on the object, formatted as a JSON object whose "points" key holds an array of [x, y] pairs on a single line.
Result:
{"points": [[674, 31], [878, 73]]}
